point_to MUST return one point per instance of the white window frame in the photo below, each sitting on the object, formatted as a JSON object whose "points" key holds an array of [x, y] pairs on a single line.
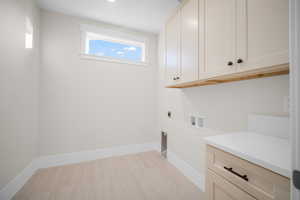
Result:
{"points": [[122, 37]]}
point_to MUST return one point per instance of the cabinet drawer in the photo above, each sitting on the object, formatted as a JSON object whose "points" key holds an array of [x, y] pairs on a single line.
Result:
{"points": [[261, 183], [220, 189]]}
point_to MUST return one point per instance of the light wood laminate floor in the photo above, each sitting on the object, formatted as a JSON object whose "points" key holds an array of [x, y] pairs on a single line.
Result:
{"points": [[144, 176]]}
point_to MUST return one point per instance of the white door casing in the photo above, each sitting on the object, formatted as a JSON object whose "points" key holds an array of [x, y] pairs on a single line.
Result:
{"points": [[295, 87]]}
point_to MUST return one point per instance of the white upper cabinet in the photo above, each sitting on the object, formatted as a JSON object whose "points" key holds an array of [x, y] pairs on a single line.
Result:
{"points": [[189, 41], [263, 28], [173, 50], [182, 45], [220, 36], [227, 40]]}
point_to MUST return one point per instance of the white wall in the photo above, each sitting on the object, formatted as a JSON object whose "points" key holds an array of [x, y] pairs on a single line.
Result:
{"points": [[18, 88], [225, 106], [88, 104]]}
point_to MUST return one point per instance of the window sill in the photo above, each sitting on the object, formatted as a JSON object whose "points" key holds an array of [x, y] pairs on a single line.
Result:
{"points": [[105, 59]]}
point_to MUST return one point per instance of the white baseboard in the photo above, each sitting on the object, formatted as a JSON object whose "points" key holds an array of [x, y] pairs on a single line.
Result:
{"points": [[64, 159], [57, 160], [18, 182], [187, 170], [77, 157]]}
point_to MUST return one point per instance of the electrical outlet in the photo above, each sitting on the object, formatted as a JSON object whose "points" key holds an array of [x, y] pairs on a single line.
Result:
{"points": [[197, 121], [193, 121], [200, 122]]}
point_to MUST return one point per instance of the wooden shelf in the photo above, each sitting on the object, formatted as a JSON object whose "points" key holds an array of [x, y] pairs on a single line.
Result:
{"points": [[239, 76]]}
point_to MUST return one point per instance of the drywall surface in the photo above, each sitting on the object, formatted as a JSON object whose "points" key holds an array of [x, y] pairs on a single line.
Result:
{"points": [[92, 104], [225, 108], [18, 88]]}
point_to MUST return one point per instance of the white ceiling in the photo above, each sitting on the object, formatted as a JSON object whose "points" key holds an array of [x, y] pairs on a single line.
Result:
{"points": [[145, 15]]}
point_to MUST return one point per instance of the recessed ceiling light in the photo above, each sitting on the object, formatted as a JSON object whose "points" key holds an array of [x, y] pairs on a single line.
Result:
{"points": [[111, 1]]}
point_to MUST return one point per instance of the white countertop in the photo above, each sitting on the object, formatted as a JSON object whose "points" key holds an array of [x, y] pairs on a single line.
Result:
{"points": [[269, 152]]}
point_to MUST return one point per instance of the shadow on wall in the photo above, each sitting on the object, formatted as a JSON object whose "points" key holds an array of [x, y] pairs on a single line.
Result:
{"points": [[226, 107]]}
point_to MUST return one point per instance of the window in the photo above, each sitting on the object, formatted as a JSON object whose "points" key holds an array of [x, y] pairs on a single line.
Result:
{"points": [[28, 34], [113, 46]]}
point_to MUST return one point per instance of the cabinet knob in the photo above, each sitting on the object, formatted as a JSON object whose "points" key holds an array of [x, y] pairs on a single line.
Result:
{"points": [[230, 63], [239, 61]]}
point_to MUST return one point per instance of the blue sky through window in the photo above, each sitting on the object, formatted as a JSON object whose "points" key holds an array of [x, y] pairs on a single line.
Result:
{"points": [[115, 50]]}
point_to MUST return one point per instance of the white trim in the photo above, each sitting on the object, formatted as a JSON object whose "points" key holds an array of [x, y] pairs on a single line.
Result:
{"points": [[187, 170], [57, 160], [106, 59], [295, 87], [114, 32], [109, 38], [88, 36], [18, 182], [78, 157], [115, 35], [64, 159]]}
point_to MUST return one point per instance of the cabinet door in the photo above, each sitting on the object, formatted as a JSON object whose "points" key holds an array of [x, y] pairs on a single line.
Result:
{"points": [[189, 41], [220, 36], [218, 188], [173, 50], [263, 28]]}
